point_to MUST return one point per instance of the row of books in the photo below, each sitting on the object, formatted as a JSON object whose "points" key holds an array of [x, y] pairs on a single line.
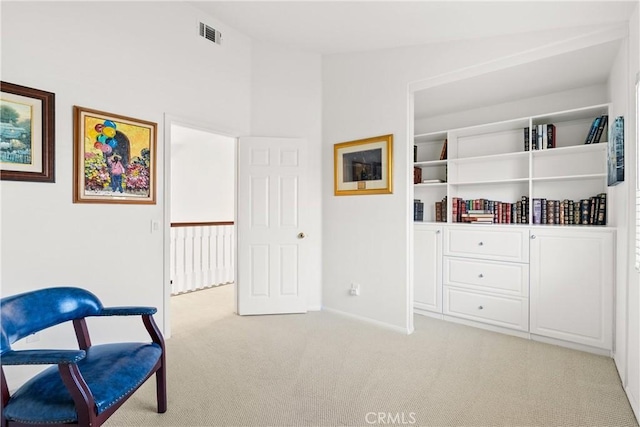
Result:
{"points": [[596, 130], [591, 211], [490, 211], [542, 137]]}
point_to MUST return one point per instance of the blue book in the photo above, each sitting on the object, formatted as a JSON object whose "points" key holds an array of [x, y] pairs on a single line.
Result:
{"points": [[593, 130]]}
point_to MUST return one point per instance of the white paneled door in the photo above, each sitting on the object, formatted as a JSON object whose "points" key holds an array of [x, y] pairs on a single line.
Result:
{"points": [[270, 222]]}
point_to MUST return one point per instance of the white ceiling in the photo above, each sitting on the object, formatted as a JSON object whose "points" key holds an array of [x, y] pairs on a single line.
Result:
{"points": [[580, 68], [328, 27], [333, 27]]}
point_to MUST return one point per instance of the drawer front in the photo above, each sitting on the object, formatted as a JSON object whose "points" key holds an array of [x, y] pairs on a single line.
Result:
{"points": [[490, 276], [508, 312], [502, 244]]}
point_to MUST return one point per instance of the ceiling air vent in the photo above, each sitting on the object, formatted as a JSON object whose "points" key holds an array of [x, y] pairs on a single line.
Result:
{"points": [[210, 33]]}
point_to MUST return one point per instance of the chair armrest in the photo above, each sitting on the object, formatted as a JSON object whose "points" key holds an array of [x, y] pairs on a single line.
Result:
{"points": [[127, 311], [42, 357]]}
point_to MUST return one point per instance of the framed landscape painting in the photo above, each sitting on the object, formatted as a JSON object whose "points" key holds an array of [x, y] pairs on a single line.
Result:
{"points": [[363, 166], [27, 134], [114, 158]]}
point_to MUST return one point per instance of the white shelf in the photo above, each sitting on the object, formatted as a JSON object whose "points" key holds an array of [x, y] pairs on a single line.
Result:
{"points": [[570, 177], [488, 161], [491, 182], [571, 150], [431, 184], [430, 163], [492, 158]]}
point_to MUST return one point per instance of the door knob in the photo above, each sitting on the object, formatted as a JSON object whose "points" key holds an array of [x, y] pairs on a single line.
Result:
{"points": [[301, 235]]}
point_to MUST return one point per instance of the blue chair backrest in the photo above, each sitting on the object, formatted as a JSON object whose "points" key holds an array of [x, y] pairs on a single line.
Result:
{"points": [[24, 314]]}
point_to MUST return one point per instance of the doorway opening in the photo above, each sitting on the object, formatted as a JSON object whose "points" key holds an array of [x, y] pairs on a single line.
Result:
{"points": [[202, 238]]}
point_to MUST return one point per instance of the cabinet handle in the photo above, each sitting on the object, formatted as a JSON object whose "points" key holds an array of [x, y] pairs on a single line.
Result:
{"points": [[533, 236], [437, 231], [481, 275], [480, 307], [480, 244]]}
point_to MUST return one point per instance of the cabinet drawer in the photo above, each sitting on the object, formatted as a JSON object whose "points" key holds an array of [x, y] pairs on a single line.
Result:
{"points": [[508, 312], [502, 244], [490, 276]]}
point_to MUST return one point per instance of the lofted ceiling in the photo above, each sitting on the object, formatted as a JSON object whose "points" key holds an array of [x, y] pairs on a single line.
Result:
{"points": [[328, 27], [337, 27]]}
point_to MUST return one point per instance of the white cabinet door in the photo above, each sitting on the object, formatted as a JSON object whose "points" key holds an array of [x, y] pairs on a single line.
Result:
{"points": [[572, 285], [427, 267]]}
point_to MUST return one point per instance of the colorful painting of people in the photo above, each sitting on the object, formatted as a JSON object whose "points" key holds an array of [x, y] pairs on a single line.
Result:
{"points": [[117, 170], [117, 158]]}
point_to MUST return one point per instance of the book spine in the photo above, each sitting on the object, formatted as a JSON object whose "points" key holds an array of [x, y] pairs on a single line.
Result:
{"points": [[445, 209], [417, 175], [537, 211], [601, 126], [418, 210], [534, 138], [540, 145], [526, 139], [415, 153], [584, 212], [551, 136], [438, 207], [619, 147], [592, 210], [592, 130], [443, 152], [602, 209]]}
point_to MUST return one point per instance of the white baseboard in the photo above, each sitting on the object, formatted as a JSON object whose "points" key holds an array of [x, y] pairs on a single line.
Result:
{"points": [[634, 401], [314, 308], [377, 323], [572, 345], [426, 313]]}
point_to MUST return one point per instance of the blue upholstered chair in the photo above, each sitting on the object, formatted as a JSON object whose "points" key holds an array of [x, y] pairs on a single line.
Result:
{"points": [[86, 386]]}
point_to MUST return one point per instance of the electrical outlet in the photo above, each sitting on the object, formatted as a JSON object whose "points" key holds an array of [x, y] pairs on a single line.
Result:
{"points": [[355, 289]]}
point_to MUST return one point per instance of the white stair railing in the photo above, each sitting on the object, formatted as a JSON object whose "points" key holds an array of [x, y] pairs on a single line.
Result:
{"points": [[202, 255]]}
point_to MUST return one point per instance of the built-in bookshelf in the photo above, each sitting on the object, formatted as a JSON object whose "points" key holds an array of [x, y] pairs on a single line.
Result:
{"points": [[554, 156]]}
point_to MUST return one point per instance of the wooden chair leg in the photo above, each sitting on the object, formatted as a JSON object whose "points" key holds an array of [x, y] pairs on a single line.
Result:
{"points": [[161, 388]]}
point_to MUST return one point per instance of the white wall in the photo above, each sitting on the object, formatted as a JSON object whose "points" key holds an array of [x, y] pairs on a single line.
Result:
{"points": [[366, 238], [632, 380], [150, 61], [147, 62], [286, 102], [202, 176]]}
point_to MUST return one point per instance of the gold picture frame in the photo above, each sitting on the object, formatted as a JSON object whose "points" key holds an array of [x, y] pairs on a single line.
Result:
{"points": [[364, 166], [114, 158]]}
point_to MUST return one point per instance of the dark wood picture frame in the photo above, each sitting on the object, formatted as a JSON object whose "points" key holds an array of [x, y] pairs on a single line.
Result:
{"points": [[41, 134]]}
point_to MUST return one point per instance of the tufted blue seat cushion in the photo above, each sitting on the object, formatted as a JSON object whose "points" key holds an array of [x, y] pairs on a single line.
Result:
{"points": [[110, 370]]}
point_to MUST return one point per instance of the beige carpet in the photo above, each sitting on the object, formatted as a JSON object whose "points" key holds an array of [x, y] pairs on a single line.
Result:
{"points": [[320, 369]]}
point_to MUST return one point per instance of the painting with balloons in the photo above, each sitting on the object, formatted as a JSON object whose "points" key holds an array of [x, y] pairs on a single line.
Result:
{"points": [[114, 158], [27, 133]]}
